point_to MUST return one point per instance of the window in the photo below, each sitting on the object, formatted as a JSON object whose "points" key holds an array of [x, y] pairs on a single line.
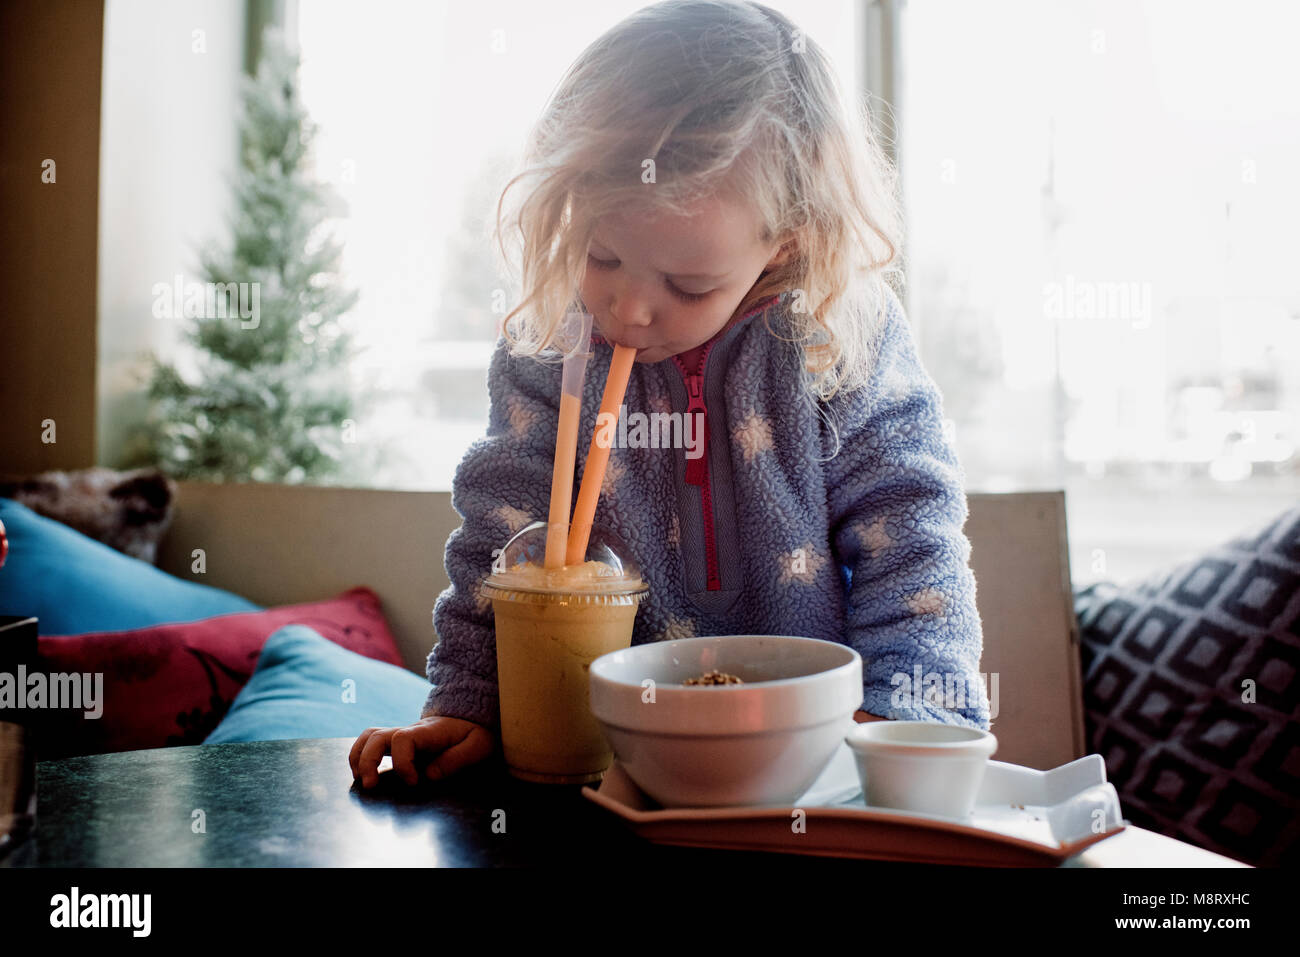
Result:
{"points": [[1101, 209], [1099, 254]]}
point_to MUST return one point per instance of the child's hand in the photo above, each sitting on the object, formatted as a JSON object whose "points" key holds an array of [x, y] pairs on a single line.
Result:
{"points": [[442, 746]]}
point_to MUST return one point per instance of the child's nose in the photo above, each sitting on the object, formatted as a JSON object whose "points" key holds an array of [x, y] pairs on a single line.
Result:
{"points": [[631, 313]]}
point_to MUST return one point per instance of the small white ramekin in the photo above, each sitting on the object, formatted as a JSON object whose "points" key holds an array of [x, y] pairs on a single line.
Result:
{"points": [[923, 766]]}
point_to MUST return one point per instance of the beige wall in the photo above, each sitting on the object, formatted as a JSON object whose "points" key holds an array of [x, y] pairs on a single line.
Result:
{"points": [[50, 56]]}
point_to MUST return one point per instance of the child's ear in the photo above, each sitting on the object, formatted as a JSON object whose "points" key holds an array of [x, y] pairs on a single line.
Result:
{"points": [[782, 255]]}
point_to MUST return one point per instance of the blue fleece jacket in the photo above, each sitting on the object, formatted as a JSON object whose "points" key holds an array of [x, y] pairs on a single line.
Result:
{"points": [[856, 538]]}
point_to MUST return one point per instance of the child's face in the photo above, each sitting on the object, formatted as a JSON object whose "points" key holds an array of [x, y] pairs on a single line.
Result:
{"points": [[641, 270]]}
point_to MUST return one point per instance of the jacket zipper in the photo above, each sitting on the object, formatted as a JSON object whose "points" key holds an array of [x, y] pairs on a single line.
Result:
{"points": [[697, 470]]}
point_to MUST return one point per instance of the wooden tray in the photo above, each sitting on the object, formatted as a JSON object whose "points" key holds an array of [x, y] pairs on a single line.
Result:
{"points": [[1022, 818]]}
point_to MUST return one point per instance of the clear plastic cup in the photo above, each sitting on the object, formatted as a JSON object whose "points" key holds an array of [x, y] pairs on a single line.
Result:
{"points": [[551, 624]]}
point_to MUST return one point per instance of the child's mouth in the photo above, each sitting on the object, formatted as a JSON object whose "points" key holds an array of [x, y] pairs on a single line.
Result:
{"points": [[621, 341]]}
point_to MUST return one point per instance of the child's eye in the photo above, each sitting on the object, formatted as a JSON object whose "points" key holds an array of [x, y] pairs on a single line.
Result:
{"points": [[687, 296], [684, 296]]}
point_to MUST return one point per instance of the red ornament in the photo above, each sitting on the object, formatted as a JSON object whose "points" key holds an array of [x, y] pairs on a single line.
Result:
{"points": [[4, 544]]}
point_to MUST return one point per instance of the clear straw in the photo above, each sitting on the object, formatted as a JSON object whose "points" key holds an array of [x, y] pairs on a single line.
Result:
{"points": [[575, 337]]}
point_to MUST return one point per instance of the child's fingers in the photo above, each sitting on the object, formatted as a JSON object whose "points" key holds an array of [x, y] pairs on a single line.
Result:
{"points": [[429, 738], [372, 752], [354, 756], [439, 734], [402, 748], [474, 747]]}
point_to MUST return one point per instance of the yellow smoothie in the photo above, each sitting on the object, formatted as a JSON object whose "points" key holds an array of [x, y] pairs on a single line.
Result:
{"points": [[551, 624]]}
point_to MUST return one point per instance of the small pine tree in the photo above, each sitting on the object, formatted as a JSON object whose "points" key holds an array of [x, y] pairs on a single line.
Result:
{"points": [[273, 402]]}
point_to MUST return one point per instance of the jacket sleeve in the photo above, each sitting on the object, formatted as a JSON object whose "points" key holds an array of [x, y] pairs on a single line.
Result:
{"points": [[502, 484], [897, 511]]}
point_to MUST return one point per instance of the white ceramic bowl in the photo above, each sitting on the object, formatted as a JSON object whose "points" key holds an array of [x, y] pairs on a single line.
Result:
{"points": [[761, 742], [924, 766]]}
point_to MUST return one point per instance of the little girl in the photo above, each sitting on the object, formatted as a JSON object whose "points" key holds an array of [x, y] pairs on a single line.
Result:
{"points": [[701, 188]]}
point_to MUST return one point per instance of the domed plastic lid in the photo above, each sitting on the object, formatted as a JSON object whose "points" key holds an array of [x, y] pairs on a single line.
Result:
{"points": [[608, 570]]}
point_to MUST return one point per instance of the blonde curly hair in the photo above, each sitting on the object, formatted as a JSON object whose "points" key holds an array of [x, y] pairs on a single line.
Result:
{"points": [[727, 98]]}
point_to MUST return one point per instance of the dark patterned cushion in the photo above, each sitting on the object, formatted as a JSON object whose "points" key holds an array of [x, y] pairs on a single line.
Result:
{"points": [[128, 511], [1192, 695]]}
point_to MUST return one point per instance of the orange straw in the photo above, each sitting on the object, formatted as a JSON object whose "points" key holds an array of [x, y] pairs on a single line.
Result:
{"points": [[593, 474]]}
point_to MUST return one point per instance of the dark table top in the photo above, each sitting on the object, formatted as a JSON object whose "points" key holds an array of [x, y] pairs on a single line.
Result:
{"points": [[294, 803]]}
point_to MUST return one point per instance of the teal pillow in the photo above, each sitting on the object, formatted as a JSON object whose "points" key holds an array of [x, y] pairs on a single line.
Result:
{"points": [[75, 584], [306, 686]]}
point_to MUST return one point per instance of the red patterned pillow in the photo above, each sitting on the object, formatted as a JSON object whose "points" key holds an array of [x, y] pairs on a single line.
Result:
{"points": [[172, 684]]}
